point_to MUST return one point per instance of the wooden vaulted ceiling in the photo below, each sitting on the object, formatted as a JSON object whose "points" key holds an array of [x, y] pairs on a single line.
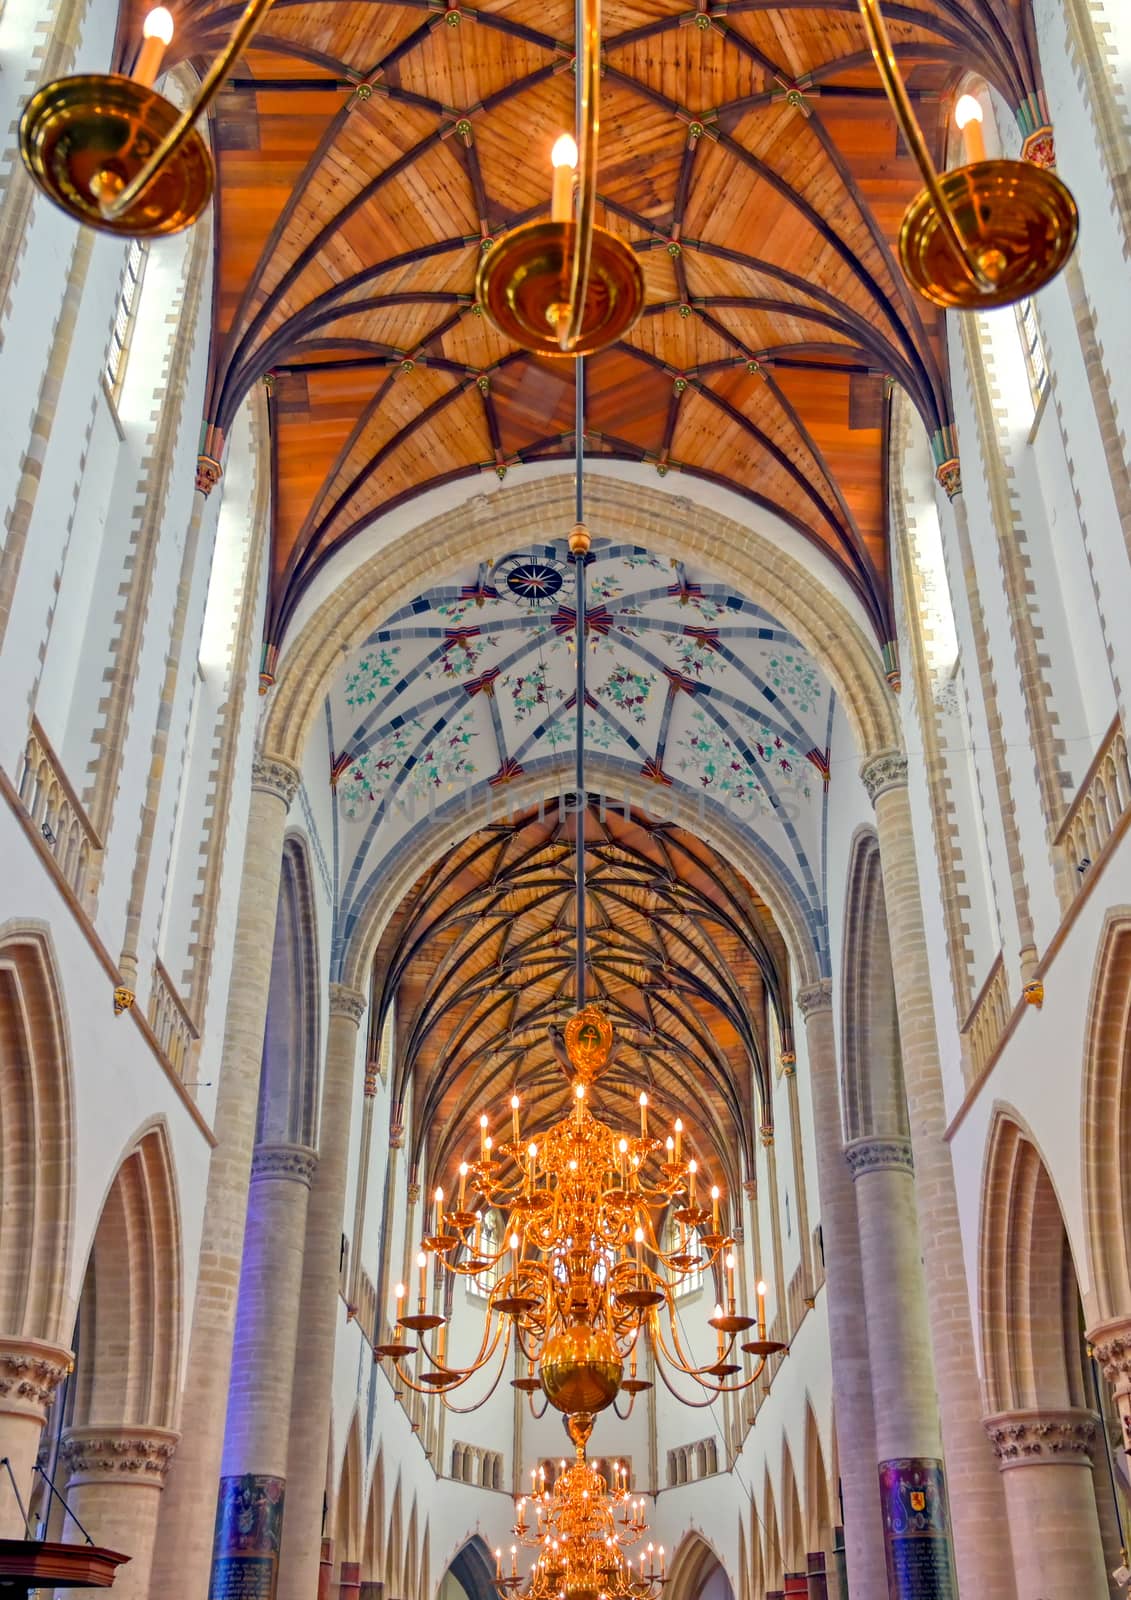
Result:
{"points": [[683, 955], [367, 150]]}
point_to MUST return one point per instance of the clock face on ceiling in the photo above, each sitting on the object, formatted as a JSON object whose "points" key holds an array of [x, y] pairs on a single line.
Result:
{"points": [[532, 579]]}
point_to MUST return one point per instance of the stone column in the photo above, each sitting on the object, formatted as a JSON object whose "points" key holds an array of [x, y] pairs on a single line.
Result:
{"points": [[908, 1442], [184, 1538], [310, 1420], [899, 1340], [30, 1372], [1046, 1459], [263, 1360], [977, 1501], [117, 1474], [848, 1333]]}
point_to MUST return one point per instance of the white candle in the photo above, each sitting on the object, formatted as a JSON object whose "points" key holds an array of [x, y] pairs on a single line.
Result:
{"points": [[563, 158], [968, 116], [157, 34]]}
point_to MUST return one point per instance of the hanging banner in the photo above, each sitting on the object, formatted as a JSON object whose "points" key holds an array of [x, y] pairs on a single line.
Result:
{"points": [[245, 1548], [916, 1530]]}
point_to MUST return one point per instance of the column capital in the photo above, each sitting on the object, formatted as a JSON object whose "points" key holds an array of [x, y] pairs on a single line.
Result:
{"points": [[812, 997], [1111, 1344], [879, 1155], [275, 775], [295, 1163], [1043, 1437], [119, 1454], [30, 1372], [886, 771], [347, 1002]]}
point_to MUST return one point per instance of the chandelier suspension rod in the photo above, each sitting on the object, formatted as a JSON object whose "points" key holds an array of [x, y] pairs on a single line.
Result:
{"points": [[581, 799]]}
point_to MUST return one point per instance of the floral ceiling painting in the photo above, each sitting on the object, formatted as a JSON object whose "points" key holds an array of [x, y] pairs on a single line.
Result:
{"points": [[692, 686]]}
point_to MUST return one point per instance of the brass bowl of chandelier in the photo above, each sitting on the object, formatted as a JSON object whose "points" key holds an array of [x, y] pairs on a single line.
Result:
{"points": [[581, 1370]]}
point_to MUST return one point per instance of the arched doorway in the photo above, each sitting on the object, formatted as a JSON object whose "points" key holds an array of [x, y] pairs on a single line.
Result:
{"points": [[470, 1574], [697, 1573]]}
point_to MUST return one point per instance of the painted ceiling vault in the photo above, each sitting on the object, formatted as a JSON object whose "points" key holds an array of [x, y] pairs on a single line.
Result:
{"points": [[689, 685], [369, 150]]}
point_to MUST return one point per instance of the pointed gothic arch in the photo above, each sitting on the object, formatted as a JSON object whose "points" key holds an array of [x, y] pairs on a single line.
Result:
{"points": [[1035, 1365], [373, 1540], [743, 556], [873, 1093], [1031, 1318], [424, 1580], [129, 1323], [347, 1500], [757, 1577], [288, 1084], [771, 1539], [36, 1137], [122, 1401], [818, 1517], [411, 1566], [394, 1550], [697, 1573], [1107, 1121], [473, 1569], [792, 1527]]}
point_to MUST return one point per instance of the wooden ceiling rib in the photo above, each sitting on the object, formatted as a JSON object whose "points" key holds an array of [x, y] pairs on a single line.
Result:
{"points": [[683, 955], [369, 149]]}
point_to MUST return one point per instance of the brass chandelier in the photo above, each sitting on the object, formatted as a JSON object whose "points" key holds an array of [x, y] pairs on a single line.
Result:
{"points": [[118, 156], [583, 1271], [580, 1538]]}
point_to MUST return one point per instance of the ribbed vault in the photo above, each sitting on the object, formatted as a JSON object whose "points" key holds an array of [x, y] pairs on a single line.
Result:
{"points": [[368, 152], [480, 962]]}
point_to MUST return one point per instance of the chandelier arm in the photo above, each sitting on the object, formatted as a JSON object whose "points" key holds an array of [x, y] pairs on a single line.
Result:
{"points": [[696, 1405], [182, 128], [679, 1357], [701, 1375], [487, 1348], [538, 1415], [463, 1411], [588, 55], [884, 56]]}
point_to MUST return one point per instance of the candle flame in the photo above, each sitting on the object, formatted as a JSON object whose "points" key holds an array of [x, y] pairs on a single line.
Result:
{"points": [[967, 110], [564, 153], [158, 25]]}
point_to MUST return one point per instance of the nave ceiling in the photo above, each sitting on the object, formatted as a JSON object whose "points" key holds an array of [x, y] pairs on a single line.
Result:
{"points": [[698, 692], [368, 151]]}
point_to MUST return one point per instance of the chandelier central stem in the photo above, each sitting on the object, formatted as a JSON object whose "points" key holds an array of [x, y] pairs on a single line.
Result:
{"points": [[581, 798]]}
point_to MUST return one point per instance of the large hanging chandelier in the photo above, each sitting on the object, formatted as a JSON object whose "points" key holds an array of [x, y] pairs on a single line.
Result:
{"points": [[582, 1527], [602, 1228]]}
